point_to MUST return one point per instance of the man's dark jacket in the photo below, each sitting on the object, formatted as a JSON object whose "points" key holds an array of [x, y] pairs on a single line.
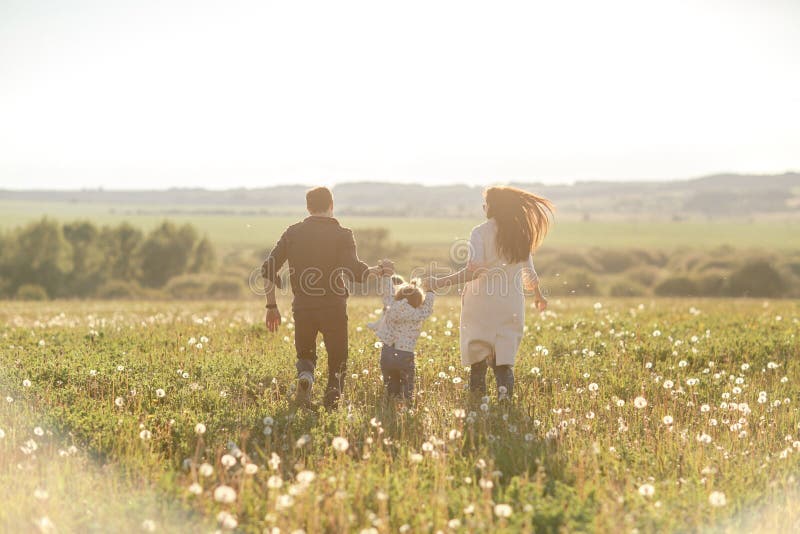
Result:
{"points": [[322, 257]]}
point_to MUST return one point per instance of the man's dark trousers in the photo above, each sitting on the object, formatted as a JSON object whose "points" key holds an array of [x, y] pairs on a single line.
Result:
{"points": [[331, 322]]}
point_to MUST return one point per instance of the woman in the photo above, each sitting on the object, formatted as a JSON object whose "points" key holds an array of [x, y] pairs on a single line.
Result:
{"points": [[499, 269]]}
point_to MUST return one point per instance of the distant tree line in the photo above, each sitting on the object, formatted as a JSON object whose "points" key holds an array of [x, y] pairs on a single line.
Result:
{"points": [[721, 272], [48, 259]]}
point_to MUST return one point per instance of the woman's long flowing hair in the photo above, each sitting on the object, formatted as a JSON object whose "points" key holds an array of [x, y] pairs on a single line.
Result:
{"points": [[523, 220]]}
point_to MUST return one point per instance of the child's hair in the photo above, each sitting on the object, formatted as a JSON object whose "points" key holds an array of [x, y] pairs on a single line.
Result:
{"points": [[397, 280], [411, 293]]}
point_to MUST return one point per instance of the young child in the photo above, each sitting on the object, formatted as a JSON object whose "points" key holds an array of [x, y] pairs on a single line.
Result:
{"points": [[397, 280], [405, 309]]}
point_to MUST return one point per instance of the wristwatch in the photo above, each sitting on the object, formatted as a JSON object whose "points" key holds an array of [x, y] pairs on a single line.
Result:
{"points": [[272, 306]]}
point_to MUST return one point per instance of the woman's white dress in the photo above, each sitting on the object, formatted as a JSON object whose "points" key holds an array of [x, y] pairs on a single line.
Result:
{"points": [[493, 304]]}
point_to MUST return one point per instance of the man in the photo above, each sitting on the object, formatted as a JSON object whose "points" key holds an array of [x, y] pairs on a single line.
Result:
{"points": [[322, 258]]}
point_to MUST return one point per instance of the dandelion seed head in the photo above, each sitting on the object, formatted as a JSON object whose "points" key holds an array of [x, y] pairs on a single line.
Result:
{"points": [[717, 499], [340, 444], [227, 521], [206, 470], [647, 490], [306, 477], [224, 494], [502, 510], [250, 469]]}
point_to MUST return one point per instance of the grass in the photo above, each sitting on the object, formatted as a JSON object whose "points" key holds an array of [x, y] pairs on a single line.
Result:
{"points": [[573, 453], [262, 231]]}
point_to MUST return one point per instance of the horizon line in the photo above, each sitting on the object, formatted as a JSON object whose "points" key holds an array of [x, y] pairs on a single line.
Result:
{"points": [[522, 181]]}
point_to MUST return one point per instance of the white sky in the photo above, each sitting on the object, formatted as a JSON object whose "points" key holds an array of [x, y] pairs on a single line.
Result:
{"points": [[153, 94]]}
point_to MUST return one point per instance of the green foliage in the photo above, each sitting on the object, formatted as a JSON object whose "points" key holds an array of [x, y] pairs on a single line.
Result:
{"points": [[199, 286], [615, 261], [229, 287], [119, 289], [644, 275], [569, 260], [573, 283], [757, 279], [676, 286], [121, 246], [204, 257], [374, 244], [712, 283], [79, 259], [627, 288], [38, 254], [89, 263], [188, 286], [31, 292], [166, 252]]}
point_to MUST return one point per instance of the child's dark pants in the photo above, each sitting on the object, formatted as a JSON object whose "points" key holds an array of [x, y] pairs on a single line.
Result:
{"points": [[398, 369]]}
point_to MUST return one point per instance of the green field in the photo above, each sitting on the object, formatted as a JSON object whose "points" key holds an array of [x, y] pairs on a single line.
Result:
{"points": [[262, 231], [90, 443]]}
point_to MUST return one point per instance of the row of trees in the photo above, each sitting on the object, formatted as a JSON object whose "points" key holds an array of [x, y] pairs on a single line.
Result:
{"points": [[79, 259], [47, 259], [722, 272]]}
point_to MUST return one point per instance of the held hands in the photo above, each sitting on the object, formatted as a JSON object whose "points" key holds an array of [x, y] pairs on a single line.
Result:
{"points": [[428, 284], [387, 267], [273, 320]]}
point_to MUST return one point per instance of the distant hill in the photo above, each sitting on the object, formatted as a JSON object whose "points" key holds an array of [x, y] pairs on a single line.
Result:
{"points": [[723, 195]]}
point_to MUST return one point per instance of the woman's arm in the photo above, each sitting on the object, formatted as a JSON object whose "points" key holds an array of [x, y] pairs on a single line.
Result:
{"points": [[531, 281], [467, 274], [471, 271]]}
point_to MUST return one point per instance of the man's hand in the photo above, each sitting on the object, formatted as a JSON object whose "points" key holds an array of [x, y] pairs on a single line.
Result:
{"points": [[273, 320], [387, 267]]}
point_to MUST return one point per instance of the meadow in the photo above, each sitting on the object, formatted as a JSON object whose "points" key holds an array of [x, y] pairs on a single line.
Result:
{"points": [[260, 231], [631, 415]]}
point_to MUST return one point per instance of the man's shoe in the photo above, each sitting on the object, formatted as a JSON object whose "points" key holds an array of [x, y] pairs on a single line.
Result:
{"points": [[331, 401], [303, 394]]}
